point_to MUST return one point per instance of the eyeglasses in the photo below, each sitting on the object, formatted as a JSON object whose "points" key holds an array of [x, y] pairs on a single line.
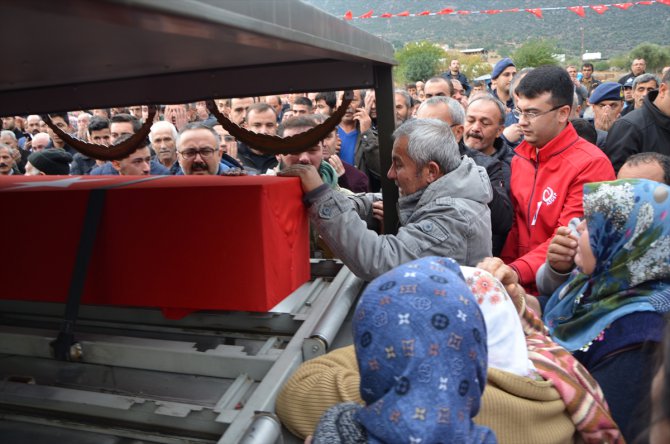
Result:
{"points": [[516, 112], [191, 153]]}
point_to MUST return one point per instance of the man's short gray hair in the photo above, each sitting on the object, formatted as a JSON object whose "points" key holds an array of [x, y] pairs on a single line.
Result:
{"points": [[496, 102], [456, 111], [8, 133], [405, 95], [430, 140], [644, 78], [163, 124]]}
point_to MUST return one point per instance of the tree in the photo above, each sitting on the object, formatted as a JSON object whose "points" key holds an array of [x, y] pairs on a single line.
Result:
{"points": [[656, 56], [534, 53], [472, 66], [419, 61]]}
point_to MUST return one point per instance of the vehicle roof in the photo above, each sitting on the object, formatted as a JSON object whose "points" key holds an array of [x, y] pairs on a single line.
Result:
{"points": [[79, 54]]}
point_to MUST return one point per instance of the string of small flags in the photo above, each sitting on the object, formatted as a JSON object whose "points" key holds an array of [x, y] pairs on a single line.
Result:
{"points": [[537, 12]]}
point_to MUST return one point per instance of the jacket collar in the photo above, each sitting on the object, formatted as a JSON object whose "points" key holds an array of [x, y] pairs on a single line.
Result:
{"points": [[662, 120]]}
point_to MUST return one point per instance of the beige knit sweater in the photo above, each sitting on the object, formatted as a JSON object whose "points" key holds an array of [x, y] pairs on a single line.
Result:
{"points": [[519, 410]]}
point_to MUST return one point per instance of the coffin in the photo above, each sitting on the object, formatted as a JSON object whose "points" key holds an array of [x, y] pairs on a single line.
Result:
{"points": [[180, 244]]}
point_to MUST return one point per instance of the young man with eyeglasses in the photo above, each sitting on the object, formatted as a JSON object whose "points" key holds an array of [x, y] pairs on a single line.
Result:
{"points": [[198, 151], [549, 170]]}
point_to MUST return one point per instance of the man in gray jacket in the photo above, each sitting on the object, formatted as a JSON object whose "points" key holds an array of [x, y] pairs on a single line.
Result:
{"points": [[443, 207]]}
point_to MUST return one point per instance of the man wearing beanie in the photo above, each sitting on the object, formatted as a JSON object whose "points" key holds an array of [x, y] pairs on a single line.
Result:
{"points": [[607, 103], [501, 77], [51, 162]]}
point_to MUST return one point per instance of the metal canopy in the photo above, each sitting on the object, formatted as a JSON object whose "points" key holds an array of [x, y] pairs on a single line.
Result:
{"points": [[77, 54]]}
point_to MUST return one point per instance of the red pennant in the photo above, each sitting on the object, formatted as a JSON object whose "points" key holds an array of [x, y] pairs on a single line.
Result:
{"points": [[664, 2], [579, 10], [646, 3], [403, 14], [463, 12], [367, 15], [494, 11], [428, 12], [600, 9], [623, 6], [537, 12], [386, 15], [348, 15], [512, 10], [445, 11]]}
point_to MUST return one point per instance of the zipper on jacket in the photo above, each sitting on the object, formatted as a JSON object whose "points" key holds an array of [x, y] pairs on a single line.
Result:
{"points": [[530, 201]]}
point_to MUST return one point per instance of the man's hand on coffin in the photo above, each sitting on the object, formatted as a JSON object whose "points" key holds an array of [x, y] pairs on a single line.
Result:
{"points": [[308, 175]]}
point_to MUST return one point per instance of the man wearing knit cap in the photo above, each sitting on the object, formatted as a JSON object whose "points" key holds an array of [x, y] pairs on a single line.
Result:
{"points": [[50, 162], [607, 103], [501, 78]]}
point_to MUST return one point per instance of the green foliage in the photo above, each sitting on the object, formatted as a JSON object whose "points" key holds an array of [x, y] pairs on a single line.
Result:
{"points": [[621, 61], [656, 56], [602, 65], [419, 61], [472, 66], [534, 53]]}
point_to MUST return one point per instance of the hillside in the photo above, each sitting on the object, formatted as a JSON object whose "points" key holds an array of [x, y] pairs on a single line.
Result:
{"points": [[614, 32]]}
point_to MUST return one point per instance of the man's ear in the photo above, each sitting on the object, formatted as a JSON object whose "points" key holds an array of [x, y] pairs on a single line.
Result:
{"points": [[434, 172], [458, 131], [116, 165]]}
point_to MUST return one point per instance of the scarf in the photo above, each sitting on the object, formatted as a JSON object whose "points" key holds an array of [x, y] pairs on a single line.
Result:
{"points": [[420, 343], [630, 237]]}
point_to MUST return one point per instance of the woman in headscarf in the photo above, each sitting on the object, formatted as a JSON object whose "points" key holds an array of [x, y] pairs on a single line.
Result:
{"points": [[609, 314], [420, 343]]}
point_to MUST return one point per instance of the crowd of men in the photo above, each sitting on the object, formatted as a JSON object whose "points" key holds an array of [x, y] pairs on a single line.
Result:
{"points": [[533, 137]]}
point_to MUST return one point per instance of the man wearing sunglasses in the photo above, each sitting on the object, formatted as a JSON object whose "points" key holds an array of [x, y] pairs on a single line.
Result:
{"points": [[549, 170]]}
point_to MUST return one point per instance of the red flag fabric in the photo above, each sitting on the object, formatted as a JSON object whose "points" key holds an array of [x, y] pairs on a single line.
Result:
{"points": [[403, 14], [367, 15], [445, 11], [646, 3], [623, 6], [492, 11], [463, 12], [664, 2], [537, 12], [512, 10], [386, 15], [579, 10], [600, 9], [424, 13], [348, 15]]}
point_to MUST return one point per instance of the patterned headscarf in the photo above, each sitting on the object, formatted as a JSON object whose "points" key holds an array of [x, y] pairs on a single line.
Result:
{"points": [[630, 237], [420, 343]]}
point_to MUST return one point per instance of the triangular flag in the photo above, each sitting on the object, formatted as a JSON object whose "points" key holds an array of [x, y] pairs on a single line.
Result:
{"points": [[600, 9], [645, 3], [537, 12], [386, 15], [664, 2], [424, 13], [403, 14], [463, 12], [367, 15], [445, 11], [492, 11], [579, 10], [348, 15], [623, 6], [512, 10]]}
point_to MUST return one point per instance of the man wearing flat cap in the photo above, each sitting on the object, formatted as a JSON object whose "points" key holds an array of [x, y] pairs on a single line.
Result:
{"points": [[501, 78], [607, 103], [50, 162]]}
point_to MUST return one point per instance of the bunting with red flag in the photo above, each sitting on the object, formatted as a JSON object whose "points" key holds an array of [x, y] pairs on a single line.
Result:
{"points": [[537, 12]]}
